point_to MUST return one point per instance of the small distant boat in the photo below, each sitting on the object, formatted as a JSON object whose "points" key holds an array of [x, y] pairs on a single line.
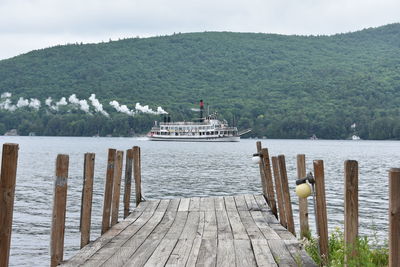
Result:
{"points": [[313, 137], [355, 137], [208, 129]]}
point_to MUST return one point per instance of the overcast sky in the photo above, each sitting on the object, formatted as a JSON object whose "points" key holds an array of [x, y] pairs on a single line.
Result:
{"points": [[26, 25]]}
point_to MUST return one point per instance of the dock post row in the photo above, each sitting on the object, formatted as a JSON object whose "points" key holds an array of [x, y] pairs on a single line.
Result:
{"points": [[276, 185]]}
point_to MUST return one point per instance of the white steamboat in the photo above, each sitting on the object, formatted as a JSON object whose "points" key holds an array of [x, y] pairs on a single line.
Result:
{"points": [[208, 129]]}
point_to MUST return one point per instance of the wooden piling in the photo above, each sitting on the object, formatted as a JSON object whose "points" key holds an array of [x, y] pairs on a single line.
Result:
{"points": [[278, 190], [286, 194], [261, 166], [394, 217], [303, 204], [128, 181], [59, 209], [87, 196], [268, 181], [137, 174], [116, 187], [350, 206], [322, 218], [7, 191], [108, 190]]}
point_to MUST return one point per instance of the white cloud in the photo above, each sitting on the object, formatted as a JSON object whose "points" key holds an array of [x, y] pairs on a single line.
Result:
{"points": [[32, 24]]}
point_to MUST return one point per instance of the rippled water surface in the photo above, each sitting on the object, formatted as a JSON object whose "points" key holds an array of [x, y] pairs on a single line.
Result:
{"points": [[185, 170]]}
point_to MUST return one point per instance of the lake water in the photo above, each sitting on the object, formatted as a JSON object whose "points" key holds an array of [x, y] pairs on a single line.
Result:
{"points": [[185, 170]]}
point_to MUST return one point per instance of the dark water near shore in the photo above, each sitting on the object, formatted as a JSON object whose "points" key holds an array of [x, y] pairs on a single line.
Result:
{"points": [[185, 170]]}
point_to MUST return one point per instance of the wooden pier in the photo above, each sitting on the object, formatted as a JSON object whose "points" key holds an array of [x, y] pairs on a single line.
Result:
{"points": [[213, 231], [239, 230]]}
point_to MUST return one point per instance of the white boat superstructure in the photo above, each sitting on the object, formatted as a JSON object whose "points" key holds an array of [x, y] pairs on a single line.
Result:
{"points": [[208, 129]]}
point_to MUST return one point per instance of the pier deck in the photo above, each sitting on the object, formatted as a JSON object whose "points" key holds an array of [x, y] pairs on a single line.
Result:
{"points": [[212, 231]]}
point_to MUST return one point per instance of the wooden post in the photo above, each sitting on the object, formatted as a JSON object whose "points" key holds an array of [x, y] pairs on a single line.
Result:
{"points": [[59, 209], [350, 207], [322, 218], [261, 166], [394, 217], [303, 204], [128, 181], [7, 191], [286, 194], [268, 181], [87, 195], [137, 174], [116, 187], [108, 190], [279, 194]]}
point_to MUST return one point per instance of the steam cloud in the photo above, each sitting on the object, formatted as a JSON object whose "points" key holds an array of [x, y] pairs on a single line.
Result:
{"points": [[81, 104], [121, 108], [74, 102], [97, 106]]}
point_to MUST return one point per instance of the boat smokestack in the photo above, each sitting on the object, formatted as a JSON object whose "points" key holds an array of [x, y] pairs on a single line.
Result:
{"points": [[201, 110], [169, 118]]}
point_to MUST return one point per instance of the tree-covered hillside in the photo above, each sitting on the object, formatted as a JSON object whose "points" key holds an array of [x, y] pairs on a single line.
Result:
{"points": [[281, 86]]}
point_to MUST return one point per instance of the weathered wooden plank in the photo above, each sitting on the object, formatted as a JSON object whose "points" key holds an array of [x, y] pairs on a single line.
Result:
{"points": [[241, 203], [191, 226], [262, 224], [162, 253], [266, 212], [251, 202], [299, 255], [223, 226], [244, 253], [180, 253], [163, 227], [282, 232], [210, 225], [219, 203], [251, 228], [194, 204], [176, 229], [238, 229], [225, 252], [184, 204], [138, 240], [173, 204], [208, 253], [281, 254], [262, 253], [230, 203], [90, 249], [207, 204], [195, 250]]}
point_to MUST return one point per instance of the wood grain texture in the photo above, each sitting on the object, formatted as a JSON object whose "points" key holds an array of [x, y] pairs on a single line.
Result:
{"points": [[286, 194], [108, 190], [394, 217], [350, 206], [137, 173], [268, 181], [279, 193], [59, 210], [116, 187], [303, 203], [7, 191], [197, 232], [128, 181], [322, 217], [87, 195]]}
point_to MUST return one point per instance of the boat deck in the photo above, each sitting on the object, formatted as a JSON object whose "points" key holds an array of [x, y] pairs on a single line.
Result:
{"points": [[212, 231]]}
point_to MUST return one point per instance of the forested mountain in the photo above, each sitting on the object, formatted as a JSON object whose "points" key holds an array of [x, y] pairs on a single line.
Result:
{"points": [[281, 86]]}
